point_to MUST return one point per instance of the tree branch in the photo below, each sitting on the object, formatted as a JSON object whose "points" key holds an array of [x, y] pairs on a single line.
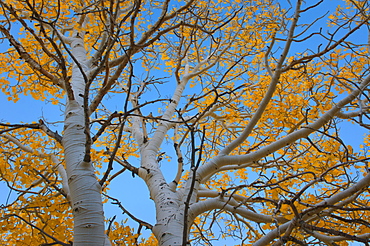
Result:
{"points": [[39, 229]]}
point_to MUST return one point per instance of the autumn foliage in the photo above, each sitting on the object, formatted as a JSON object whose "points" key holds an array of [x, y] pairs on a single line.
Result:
{"points": [[247, 106]]}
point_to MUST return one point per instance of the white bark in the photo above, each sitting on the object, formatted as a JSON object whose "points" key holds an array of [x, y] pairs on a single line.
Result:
{"points": [[169, 204], [63, 174], [85, 191], [23, 147], [169, 207], [218, 203], [329, 240]]}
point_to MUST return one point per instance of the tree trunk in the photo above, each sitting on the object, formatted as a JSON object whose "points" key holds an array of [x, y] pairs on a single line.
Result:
{"points": [[169, 204], [85, 191], [170, 218]]}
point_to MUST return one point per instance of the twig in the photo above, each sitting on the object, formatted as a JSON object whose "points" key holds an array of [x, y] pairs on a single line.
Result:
{"points": [[40, 230], [124, 211]]}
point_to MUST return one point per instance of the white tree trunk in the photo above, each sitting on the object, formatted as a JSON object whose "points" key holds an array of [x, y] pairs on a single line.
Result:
{"points": [[169, 205], [170, 218], [85, 191]]}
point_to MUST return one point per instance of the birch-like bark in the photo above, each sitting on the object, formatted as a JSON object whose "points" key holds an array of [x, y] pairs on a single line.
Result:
{"points": [[169, 207], [219, 203], [85, 191], [169, 204]]}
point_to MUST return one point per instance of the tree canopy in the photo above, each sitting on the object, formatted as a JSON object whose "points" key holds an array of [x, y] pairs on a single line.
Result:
{"points": [[233, 114]]}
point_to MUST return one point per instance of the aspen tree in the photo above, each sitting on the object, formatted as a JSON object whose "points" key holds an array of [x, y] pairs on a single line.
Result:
{"points": [[233, 114]]}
